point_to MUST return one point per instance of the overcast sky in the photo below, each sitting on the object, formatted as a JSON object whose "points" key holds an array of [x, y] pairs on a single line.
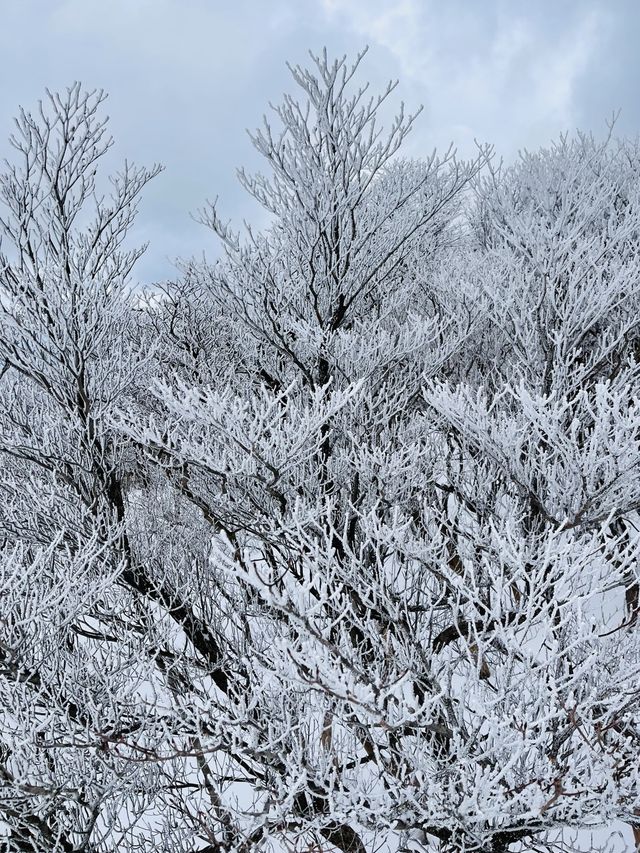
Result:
{"points": [[186, 77]]}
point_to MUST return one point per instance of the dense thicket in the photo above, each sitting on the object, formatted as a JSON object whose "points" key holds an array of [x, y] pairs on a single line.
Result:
{"points": [[331, 543]]}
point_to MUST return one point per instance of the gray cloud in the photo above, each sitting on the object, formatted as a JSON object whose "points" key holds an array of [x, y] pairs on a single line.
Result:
{"points": [[186, 77]]}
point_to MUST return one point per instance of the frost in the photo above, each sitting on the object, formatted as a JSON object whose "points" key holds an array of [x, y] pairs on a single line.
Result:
{"points": [[333, 543]]}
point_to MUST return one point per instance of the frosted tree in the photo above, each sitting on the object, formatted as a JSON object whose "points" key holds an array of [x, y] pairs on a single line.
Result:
{"points": [[544, 450], [71, 663], [373, 442], [331, 543]]}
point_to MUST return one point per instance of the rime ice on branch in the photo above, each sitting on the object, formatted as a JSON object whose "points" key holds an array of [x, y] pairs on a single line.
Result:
{"points": [[333, 542]]}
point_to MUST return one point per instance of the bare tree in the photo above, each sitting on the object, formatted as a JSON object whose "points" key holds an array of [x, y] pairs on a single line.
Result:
{"points": [[70, 658], [331, 543]]}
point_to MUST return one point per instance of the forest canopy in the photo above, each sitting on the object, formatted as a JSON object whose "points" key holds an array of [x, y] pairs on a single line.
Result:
{"points": [[330, 543]]}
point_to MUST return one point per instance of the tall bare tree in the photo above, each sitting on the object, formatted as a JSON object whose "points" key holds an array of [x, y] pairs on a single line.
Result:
{"points": [[331, 543]]}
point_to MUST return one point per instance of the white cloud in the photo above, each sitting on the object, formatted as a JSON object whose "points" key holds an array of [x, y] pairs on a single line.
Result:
{"points": [[483, 70]]}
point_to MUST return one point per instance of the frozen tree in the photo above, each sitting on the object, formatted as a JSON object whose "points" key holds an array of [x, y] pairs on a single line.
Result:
{"points": [[72, 662], [544, 455], [331, 543]]}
